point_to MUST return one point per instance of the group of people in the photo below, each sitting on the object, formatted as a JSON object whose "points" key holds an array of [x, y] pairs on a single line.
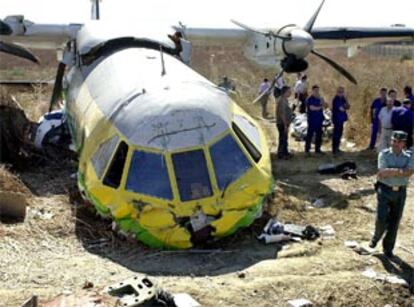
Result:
{"points": [[313, 105], [392, 119], [389, 114]]}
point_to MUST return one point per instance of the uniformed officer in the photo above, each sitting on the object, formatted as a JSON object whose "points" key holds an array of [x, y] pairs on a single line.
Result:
{"points": [[315, 104], [395, 166], [339, 117]]}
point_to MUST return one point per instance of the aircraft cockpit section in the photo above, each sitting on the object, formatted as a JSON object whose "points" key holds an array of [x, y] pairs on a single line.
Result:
{"points": [[167, 197]]}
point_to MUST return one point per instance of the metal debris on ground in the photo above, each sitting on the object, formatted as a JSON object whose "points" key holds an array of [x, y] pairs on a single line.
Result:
{"points": [[362, 249], [31, 302], [185, 300], [301, 302], [327, 232], [319, 203], [389, 278], [276, 232], [133, 291], [347, 170], [42, 214]]}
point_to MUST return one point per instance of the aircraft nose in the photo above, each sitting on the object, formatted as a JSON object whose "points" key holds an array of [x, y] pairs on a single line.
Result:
{"points": [[300, 45]]}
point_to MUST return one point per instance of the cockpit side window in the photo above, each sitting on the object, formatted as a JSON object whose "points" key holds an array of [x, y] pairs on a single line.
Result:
{"points": [[148, 174], [251, 149], [101, 157], [229, 161], [114, 174], [192, 176]]}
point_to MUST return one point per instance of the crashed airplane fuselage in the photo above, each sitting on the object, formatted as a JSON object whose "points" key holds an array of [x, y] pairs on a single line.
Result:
{"points": [[161, 149]]}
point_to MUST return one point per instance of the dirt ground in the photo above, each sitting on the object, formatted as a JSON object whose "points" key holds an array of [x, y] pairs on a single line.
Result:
{"points": [[62, 244]]}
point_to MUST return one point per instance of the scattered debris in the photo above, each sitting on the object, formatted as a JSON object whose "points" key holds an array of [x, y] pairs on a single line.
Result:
{"points": [[390, 278], [276, 232], [84, 298], [347, 169], [327, 232], [241, 275], [12, 206], [319, 203], [362, 249], [133, 291], [185, 300], [42, 214], [301, 302], [87, 285]]}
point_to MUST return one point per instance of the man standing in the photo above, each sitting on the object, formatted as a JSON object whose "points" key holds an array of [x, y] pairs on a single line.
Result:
{"points": [[402, 119], [395, 167], [385, 124], [392, 94], [339, 117], [408, 93], [301, 92], [376, 106], [264, 91], [283, 119], [315, 105]]}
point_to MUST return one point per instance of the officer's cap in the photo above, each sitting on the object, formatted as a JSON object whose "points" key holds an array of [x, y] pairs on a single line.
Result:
{"points": [[399, 135]]}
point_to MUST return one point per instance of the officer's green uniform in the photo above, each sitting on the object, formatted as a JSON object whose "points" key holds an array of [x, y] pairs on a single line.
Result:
{"points": [[391, 195]]}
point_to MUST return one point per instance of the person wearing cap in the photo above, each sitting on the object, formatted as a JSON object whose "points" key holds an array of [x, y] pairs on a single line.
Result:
{"points": [[284, 117], [402, 119], [315, 104], [385, 124], [395, 167], [339, 117], [376, 107]]}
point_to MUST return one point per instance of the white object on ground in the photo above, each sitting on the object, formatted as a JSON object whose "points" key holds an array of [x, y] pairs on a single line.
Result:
{"points": [[301, 302], [185, 300], [319, 203], [390, 278], [351, 244], [328, 232]]}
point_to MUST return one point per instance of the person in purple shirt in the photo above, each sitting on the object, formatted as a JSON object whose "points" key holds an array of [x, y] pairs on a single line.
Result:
{"points": [[314, 105], [408, 93], [339, 117], [376, 107], [402, 120]]}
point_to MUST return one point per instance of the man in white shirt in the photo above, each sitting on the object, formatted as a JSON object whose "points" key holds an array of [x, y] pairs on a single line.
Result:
{"points": [[385, 124], [264, 89], [301, 92]]}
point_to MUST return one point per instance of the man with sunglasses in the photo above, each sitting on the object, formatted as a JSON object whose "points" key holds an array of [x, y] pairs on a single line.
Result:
{"points": [[395, 167]]}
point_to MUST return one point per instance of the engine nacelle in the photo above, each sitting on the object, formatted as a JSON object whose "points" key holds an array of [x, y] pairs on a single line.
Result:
{"points": [[291, 64]]}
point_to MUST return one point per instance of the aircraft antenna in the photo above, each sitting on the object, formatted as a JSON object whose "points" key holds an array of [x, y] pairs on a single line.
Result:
{"points": [[163, 71]]}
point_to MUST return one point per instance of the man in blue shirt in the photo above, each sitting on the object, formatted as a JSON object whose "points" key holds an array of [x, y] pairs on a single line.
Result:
{"points": [[402, 119], [395, 167], [376, 106], [408, 93], [314, 105], [339, 117]]}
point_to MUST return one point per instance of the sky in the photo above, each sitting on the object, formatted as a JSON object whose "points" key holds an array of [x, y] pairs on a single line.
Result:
{"points": [[217, 13]]}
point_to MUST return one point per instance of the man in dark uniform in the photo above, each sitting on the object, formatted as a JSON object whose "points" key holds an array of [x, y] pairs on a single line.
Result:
{"points": [[376, 107], [339, 117], [402, 119], [315, 105], [408, 93], [395, 167]]}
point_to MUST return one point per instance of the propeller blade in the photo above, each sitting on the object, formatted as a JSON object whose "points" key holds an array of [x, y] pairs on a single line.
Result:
{"points": [[57, 89], [336, 66], [270, 89], [5, 28], [18, 51], [251, 29], [309, 25]]}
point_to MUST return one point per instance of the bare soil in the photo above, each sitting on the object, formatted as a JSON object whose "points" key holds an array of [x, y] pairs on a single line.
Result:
{"points": [[62, 244]]}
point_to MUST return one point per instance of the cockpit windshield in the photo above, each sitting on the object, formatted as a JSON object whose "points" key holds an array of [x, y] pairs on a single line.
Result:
{"points": [[229, 161], [191, 171]]}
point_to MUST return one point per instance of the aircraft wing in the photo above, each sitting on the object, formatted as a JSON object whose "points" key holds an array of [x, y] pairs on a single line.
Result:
{"points": [[361, 36]]}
